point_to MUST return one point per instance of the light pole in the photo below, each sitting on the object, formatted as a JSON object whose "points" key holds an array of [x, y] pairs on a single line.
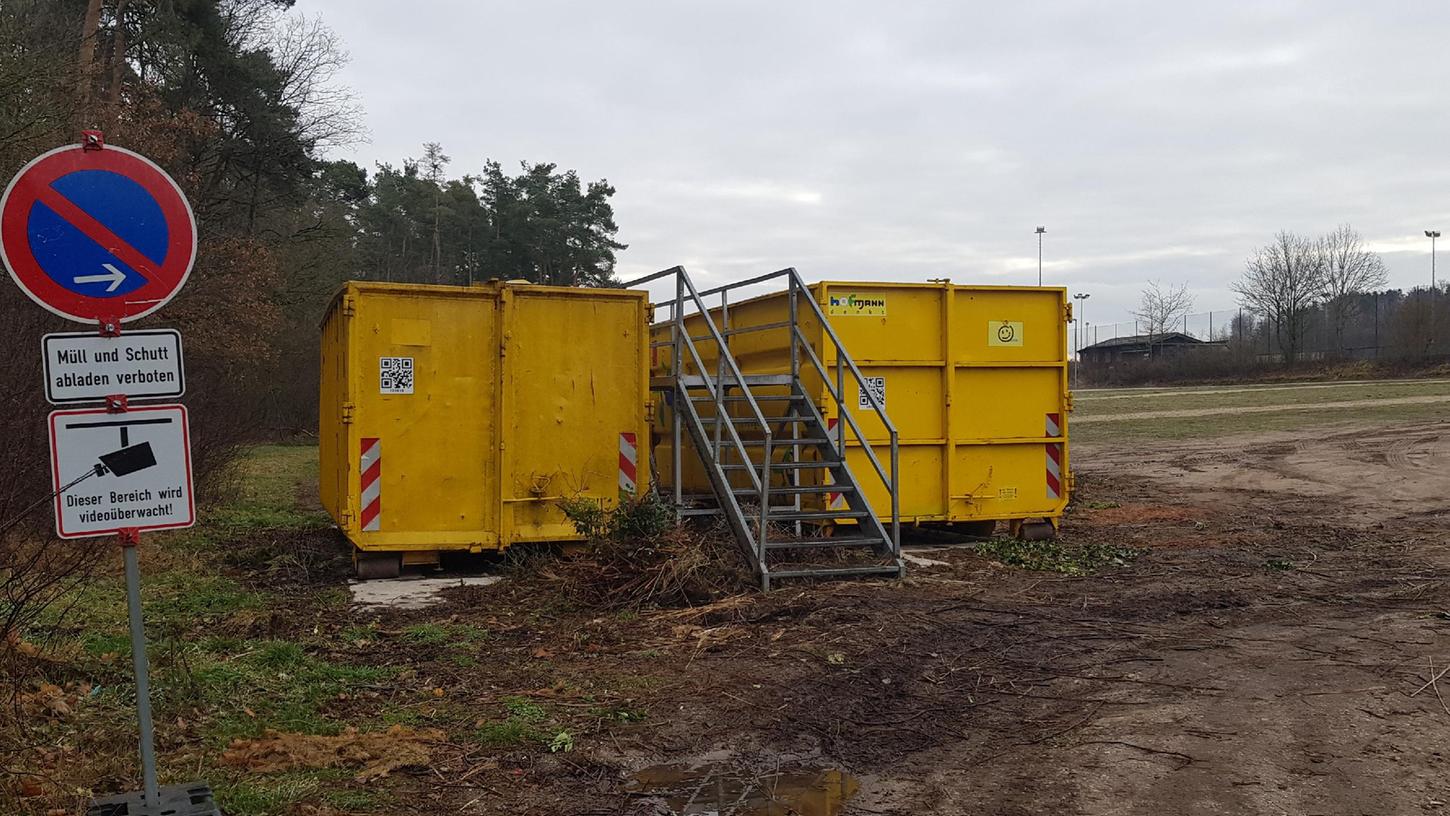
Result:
{"points": [[1432, 235], [1081, 298], [1040, 231]]}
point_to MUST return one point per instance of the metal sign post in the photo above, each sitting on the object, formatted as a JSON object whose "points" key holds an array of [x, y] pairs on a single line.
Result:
{"points": [[130, 541]]}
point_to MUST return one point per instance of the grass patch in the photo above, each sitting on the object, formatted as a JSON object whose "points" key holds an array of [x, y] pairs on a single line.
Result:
{"points": [[354, 800], [284, 688], [266, 796], [439, 634], [1107, 403], [1322, 420], [619, 714], [1056, 556], [523, 726], [269, 483], [185, 600], [510, 733], [426, 634]]}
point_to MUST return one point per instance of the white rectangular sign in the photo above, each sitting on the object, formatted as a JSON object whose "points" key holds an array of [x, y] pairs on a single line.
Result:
{"points": [[395, 375], [132, 470], [88, 367]]}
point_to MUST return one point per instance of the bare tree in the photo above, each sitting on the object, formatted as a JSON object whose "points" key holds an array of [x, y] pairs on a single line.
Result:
{"points": [[310, 58], [1349, 270], [1163, 308], [1282, 281], [435, 161]]}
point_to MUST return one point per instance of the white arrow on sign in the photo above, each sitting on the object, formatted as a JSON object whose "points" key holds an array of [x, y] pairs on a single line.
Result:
{"points": [[115, 276]]}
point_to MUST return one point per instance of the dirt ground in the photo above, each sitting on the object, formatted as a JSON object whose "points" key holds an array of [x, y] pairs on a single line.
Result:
{"points": [[1268, 650], [1268, 653]]}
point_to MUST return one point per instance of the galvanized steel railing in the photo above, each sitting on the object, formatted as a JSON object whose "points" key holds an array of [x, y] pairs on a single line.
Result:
{"points": [[680, 342], [796, 291]]}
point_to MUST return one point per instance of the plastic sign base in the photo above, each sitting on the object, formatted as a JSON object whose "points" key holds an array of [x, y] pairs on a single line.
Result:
{"points": [[193, 799]]}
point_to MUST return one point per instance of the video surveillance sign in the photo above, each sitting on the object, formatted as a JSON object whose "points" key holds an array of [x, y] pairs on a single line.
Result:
{"points": [[121, 471]]}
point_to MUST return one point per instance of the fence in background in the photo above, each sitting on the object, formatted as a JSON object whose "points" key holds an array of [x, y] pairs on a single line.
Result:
{"points": [[1380, 325]]}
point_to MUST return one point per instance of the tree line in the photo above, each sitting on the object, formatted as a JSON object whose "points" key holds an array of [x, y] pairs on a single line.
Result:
{"points": [[1330, 288]]}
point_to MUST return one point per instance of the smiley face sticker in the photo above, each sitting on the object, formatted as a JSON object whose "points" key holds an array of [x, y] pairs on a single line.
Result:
{"points": [[1004, 333]]}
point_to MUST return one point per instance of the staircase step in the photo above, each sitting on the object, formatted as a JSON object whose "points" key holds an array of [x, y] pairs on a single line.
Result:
{"points": [[794, 490], [696, 381], [780, 443], [706, 398], [781, 465], [830, 572], [820, 543], [749, 422], [792, 514]]}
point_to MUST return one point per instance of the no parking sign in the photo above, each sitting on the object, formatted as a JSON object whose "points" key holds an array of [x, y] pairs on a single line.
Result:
{"points": [[96, 233]]}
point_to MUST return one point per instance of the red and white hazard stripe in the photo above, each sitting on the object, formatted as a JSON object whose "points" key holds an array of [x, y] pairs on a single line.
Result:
{"points": [[1054, 457], [628, 463], [834, 501], [371, 465]]}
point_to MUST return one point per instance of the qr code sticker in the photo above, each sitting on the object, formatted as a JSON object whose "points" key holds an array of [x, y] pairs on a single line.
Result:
{"points": [[874, 385], [395, 375]]}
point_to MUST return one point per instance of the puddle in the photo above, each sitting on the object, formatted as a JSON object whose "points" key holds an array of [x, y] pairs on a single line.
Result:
{"points": [[721, 790], [411, 593]]}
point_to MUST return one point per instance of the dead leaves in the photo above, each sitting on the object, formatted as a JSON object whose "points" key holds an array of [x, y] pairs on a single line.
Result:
{"points": [[378, 753], [50, 700], [707, 638]]}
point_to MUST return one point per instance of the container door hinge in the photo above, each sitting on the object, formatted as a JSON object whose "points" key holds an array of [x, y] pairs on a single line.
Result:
{"points": [[1071, 482], [1067, 310], [346, 518], [349, 306], [347, 412], [1068, 402]]}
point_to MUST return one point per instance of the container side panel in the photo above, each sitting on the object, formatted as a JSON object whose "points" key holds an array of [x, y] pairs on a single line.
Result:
{"points": [[1005, 403], [1009, 325], [884, 323], [575, 369], [1006, 481], [1010, 362], [425, 388], [333, 466], [921, 494]]}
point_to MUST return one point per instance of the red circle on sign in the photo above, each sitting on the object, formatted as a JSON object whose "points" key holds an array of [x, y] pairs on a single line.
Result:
{"points": [[33, 185]]}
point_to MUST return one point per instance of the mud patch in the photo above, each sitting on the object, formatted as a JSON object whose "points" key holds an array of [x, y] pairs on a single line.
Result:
{"points": [[719, 789]]}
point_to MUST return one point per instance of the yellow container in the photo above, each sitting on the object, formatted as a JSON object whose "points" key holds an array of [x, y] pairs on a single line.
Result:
{"points": [[974, 378], [455, 418]]}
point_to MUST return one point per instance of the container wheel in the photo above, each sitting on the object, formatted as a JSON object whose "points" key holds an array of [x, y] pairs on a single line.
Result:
{"points": [[1036, 531], [372, 565]]}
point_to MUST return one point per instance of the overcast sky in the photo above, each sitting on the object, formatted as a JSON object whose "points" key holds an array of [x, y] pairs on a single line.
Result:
{"points": [[906, 141]]}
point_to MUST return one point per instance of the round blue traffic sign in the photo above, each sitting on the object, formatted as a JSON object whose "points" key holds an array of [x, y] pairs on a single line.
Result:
{"points": [[95, 234]]}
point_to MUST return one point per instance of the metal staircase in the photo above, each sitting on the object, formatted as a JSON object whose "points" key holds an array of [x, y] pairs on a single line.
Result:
{"points": [[777, 469]]}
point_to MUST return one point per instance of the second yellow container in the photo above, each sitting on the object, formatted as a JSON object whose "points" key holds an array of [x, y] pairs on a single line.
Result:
{"points": [[973, 377]]}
